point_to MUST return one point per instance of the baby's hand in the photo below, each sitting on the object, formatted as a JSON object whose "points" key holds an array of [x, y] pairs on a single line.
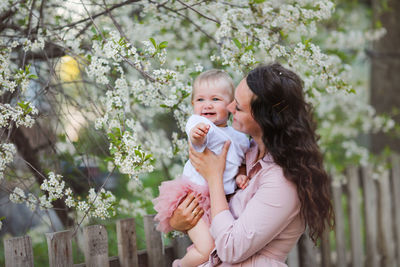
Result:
{"points": [[242, 181], [198, 133]]}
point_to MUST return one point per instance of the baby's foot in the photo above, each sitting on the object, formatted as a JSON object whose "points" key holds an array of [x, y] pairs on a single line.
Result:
{"points": [[176, 263]]}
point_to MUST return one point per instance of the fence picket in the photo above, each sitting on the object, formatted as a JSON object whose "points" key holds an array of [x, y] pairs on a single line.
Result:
{"points": [[96, 246], [59, 246], [395, 179], [386, 242], [339, 224], [127, 248], [325, 249], [18, 252], [153, 242], [355, 216], [307, 251], [293, 257], [371, 215], [180, 244]]}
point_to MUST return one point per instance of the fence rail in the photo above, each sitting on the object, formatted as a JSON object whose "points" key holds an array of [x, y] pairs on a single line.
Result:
{"points": [[367, 233]]}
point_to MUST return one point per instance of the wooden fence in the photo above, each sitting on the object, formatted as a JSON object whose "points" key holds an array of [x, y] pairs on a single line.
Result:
{"points": [[367, 230], [367, 233], [19, 253]]}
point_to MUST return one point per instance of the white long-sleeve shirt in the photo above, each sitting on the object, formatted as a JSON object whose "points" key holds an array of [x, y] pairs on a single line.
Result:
{"points": [[216, 137]]}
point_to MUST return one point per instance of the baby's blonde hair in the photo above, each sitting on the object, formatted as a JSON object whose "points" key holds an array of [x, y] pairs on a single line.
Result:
{"points": [[214, 76]]}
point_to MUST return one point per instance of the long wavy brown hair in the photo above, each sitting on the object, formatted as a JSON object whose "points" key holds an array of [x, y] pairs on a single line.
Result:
{"points": [[289, 136]]}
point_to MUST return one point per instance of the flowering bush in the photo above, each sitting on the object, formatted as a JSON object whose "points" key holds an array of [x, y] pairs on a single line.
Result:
{"points": [[137, 62]]}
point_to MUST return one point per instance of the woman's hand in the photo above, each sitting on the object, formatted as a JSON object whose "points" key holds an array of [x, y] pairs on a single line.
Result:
{"points": [[187, 214], [208, 164]]}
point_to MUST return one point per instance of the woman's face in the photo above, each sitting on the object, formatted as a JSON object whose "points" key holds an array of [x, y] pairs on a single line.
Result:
{"points": [[240, 108]]}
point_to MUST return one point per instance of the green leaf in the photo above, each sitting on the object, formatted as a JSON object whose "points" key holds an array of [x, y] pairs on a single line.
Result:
{"points": [[33, 76], [138, 153], [237, 43], [113, 150], [21, 22], [27, 67], [248, 48], [306, 43], [352, 91], [62, 138], [24, 105], [283, 35], [112, 137], [153, 42], [117, 132], [121, 41], [163, 45]]}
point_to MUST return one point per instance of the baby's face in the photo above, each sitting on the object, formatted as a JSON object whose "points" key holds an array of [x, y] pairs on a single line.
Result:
{"points": [[210, 100]]}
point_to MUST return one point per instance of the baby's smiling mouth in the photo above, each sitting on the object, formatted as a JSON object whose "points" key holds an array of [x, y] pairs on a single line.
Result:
{"points": [[208, 113]]}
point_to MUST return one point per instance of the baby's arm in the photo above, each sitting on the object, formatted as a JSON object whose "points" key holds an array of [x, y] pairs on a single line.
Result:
{"points": [[198, 133], [241, 178]]}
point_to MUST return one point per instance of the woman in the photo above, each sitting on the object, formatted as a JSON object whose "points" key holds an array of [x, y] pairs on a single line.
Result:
{"points": [[288, 187]]}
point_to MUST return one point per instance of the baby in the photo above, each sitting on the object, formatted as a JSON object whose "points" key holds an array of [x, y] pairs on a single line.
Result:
{"points": [[212, 92]]}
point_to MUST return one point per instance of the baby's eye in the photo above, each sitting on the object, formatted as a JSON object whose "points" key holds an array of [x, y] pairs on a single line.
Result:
{"points": [[200, 99], [215, 99]]}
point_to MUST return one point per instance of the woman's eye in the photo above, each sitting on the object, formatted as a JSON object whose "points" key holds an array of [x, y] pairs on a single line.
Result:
{"points": [[238, 109]]}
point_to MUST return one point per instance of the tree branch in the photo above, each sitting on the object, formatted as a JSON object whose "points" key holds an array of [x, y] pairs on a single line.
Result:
{"points": [[204, 16], [97, 15], [50, 50], [192, 22]]}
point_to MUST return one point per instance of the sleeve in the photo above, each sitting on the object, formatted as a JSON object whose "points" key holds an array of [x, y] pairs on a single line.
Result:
{"points": [[193, 121], [215, 137], [244, 143], [267, 213]]}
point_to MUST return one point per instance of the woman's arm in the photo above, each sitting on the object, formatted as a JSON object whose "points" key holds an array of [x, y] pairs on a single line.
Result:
{"points": [[211, 167]]}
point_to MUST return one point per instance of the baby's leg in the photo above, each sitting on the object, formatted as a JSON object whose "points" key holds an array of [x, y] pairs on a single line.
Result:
{"points": [[203, 245]]}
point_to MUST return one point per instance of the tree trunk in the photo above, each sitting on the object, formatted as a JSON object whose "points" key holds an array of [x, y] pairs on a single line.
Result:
{"points": [[385, 70]]}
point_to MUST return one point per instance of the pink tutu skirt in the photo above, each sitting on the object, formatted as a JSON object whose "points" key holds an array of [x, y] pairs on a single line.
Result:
{"points": [[172, 193]]}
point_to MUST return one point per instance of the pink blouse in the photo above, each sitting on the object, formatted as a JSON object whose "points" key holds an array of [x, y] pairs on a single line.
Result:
{"points": [[263, 223]]}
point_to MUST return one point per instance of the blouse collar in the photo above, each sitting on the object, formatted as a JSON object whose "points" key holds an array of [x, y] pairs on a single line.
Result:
{"points": [[253, 153]]}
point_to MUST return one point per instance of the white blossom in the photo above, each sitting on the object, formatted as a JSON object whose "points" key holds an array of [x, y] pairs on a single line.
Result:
{"points": [[7, 152], [18, 195]]}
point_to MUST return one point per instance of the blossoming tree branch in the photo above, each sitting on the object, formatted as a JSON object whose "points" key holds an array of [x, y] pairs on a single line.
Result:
{"points": [[120, 65]]}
